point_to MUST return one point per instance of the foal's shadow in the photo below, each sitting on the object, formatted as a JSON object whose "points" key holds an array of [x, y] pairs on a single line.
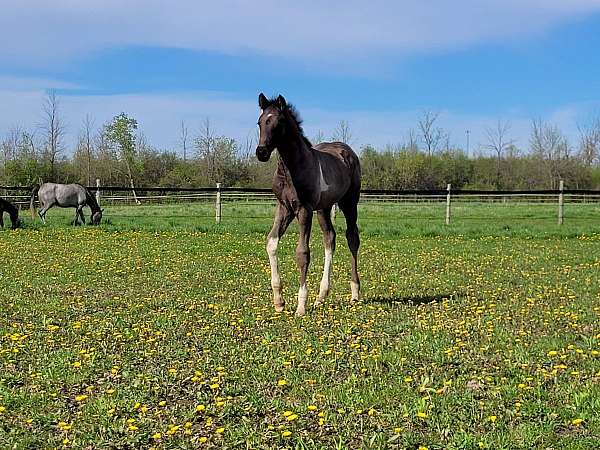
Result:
{"points": [[412, 299]]}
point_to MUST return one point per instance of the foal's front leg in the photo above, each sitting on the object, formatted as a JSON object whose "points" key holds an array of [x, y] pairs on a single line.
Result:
{"points": [[283, 217], [303, 256]]}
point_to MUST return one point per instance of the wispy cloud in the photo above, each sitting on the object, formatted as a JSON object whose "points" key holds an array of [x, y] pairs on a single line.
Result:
{"points": [[345, 32], [160, 115]]}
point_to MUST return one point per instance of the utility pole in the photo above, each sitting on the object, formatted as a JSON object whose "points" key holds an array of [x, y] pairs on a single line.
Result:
{"points": [[468, 133]]}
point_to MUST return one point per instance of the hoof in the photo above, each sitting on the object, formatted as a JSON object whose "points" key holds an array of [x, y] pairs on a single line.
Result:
{"points": [[279, 308], [318, 303], [299, 313]]}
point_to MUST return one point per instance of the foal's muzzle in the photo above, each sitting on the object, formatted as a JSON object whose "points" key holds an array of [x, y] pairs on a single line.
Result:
{"points": [[263, 153]]}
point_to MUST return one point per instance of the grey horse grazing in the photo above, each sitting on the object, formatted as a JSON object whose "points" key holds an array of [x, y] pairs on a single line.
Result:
{"points": [[65, 196], [307, 179]]}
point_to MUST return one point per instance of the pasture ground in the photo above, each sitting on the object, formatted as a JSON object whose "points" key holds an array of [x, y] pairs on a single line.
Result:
{"points": [[156, 330]]}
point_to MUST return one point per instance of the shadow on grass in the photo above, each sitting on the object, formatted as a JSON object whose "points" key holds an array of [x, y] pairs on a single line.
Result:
{"points": [[413, 299]]}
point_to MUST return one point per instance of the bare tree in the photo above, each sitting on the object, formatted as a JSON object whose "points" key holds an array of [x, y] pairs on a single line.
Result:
{"points": [[412, 142], [432, 136], [499, 141], [319, 137], [589, 142], [183, 139], [54, 131], [342, 133], [87, 144], [206, 143], [551, 147], [11, 143]]}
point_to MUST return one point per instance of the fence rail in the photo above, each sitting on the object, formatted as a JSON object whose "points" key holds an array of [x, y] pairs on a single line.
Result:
{"points": [[221, 196]]}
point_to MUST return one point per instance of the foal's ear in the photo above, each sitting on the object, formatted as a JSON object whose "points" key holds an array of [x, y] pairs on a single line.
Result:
{"points": [[263, 102], [281, 102]]}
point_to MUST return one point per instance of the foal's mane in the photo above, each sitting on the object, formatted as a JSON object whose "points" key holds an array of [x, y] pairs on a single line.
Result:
{"points": [[291, 112]]}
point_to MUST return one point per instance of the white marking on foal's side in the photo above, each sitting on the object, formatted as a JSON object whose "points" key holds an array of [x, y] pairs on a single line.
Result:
{"points": [[322, 184]]}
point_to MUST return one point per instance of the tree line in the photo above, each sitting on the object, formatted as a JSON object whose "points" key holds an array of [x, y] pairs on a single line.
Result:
{"points": [[118, 153]]}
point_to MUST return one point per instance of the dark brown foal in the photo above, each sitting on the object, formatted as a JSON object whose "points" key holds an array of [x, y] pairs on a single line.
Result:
{"points": [[307, 179]]}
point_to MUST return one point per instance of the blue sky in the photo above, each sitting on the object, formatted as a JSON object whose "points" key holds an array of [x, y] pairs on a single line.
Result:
{"points": [[376, 66]]}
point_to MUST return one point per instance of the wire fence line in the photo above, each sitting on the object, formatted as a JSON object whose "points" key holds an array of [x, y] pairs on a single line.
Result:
{"points": [[230, 203]]}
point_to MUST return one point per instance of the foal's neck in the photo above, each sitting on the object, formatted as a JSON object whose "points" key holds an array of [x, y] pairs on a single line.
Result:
{"points": [[293, 149]]}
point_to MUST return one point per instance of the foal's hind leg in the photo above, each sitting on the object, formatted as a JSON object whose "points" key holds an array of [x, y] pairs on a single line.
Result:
{"points": [[283, 218], [329, 244], [351, 213]]}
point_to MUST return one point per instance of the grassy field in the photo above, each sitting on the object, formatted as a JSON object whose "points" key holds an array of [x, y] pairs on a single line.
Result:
{"points": [[156, 330]]}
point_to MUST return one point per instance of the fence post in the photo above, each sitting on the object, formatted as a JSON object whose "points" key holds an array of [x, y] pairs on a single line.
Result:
{"points": [[561, 208], [448, 204], [98, 191], [218, 204]]}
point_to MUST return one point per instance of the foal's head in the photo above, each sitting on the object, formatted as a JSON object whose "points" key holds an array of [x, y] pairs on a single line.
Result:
{"points": [[271, 124]]}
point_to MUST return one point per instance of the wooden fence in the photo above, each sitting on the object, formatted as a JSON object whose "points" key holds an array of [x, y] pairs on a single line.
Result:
{"points": [[220, 196]]}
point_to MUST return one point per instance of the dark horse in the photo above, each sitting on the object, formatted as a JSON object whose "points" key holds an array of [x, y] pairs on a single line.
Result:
{"points": [[307, 179], [13, 212], [66, 196]]}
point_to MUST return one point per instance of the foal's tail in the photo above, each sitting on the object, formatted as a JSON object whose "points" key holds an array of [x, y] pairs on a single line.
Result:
{"points": [[34, 192]]}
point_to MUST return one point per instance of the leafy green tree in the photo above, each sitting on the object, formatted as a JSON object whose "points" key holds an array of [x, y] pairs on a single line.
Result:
{"points": [[120, 131]]}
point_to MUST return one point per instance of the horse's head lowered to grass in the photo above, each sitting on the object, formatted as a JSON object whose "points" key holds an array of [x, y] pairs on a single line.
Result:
{"points": [[96, 217]]}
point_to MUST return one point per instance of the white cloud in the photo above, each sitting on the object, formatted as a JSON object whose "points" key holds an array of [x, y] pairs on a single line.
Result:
{"points": [[159, 116], [344, 32]]}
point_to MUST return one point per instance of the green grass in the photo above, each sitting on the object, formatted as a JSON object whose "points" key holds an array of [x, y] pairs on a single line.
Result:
{"points": [[482, 334]]}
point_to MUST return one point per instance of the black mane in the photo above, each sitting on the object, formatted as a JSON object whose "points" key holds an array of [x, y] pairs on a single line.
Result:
{"points": [[293, 114], [91, 200]]}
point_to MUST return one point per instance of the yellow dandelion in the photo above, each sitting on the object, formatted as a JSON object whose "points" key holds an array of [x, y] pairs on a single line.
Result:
{"points": [[312, 408], [156, 436], [220, 430], [286, 433], [577, 422], [200, 408], [80, 398], [281, 383]]}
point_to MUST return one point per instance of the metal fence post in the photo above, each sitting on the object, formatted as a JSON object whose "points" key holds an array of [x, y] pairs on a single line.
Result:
{"points": [[448, 204], [218, 204], [98, 191], [561, 207]]}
